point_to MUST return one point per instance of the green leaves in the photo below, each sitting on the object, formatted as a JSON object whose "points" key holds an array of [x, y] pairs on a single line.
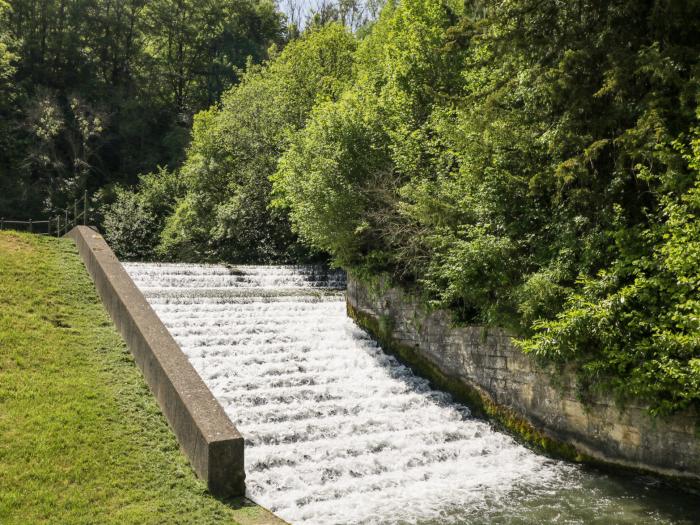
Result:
{"points": [[532, 165], [517, 169], [95, 92], [327, 176], [134, 220], [636, 327], [226, 212], [342, 177]]}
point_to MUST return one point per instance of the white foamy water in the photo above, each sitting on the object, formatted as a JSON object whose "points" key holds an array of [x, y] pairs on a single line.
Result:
{"points": [[336, 431]]}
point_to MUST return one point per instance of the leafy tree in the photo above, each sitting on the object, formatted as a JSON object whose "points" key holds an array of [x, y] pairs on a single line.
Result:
{"points": [[408, 74], [8, 92], [236, 146], [511, 162], [106, 89], [342, 175], [353, 14], [195, 46]]}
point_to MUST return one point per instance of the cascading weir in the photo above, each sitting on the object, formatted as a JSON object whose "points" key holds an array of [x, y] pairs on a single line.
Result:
{"points": [[337, 431]]}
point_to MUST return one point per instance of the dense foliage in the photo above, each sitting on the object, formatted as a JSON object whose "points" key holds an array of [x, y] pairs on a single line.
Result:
{"points": [[94, 92], [225, 212], [220, 207], [134, 220], [526, 164]]}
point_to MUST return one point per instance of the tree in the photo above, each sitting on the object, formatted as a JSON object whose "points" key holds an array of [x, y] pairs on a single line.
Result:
{"points": [[236, 146], [8, 191], [106, 89], [513, 163], [353, 14], [195, 46], [342, 174]]}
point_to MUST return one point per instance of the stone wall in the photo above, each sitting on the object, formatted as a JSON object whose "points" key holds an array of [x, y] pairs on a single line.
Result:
{"points": [[485, 369]]}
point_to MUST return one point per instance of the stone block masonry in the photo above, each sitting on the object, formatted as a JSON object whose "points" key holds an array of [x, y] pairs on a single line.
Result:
{"points": [[205, 433], [484, 368]]}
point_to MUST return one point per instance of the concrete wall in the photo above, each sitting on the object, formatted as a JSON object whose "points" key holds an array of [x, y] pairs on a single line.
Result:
{"points": [[487, 370], [205, 433]]}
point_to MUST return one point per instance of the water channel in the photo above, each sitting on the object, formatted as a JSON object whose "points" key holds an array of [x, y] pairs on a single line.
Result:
{"points": [[338, 432]]}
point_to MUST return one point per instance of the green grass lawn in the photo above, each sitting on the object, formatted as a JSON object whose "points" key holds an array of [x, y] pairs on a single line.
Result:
{"points": [[82, 440]]}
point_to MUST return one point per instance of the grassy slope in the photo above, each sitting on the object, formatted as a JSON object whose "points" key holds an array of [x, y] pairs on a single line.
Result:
{"points": [[81, 438]]}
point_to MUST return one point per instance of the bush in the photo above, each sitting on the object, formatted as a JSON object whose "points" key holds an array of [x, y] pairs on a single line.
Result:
{"points": [[226, 214], [133, 222], [131, 229], [635, 327]]}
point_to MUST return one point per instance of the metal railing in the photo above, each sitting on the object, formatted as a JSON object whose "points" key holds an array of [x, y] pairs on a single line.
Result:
{"points": [[57, 225], [29, 225]]}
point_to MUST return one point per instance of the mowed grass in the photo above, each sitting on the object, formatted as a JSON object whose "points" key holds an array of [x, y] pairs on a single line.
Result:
{"points": [[82, 440]]}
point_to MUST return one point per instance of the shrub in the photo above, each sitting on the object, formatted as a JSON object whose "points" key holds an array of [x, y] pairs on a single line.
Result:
{"points": [[133, 222]]}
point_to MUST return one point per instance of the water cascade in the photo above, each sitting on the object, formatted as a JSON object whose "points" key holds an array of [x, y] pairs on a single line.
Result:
{"points": [[339, 432]]}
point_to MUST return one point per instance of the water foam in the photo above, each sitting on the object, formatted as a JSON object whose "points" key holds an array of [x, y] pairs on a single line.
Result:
{"points": [[337, 431]]}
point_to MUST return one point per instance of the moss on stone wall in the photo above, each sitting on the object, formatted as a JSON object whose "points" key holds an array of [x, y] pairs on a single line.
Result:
{"points": [[482, 404], [479, 402]]}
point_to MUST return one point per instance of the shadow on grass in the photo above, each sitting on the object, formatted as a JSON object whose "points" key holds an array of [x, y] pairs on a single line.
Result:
{"points": [[247, 512]]}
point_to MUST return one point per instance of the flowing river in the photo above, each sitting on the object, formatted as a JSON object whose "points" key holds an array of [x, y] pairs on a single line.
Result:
{"points": [[337, 432]]}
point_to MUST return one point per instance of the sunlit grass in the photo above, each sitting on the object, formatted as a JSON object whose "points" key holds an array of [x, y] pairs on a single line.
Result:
{"points": [[82, 439]]}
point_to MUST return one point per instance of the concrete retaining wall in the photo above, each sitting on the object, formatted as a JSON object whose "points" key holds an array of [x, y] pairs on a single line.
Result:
{"points": [[486, 369], [206, 434]]}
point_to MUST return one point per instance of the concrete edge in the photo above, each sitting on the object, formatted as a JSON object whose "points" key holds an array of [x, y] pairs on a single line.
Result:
{"points": [[211, 442]]}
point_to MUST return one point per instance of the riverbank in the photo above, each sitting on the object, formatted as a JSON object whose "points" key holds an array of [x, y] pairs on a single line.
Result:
{"points": [[339, 432], [82, 440], [541, 404]]}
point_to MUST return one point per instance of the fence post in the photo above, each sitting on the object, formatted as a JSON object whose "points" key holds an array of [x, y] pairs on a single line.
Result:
{"points": [[75, 212], [85, 206], [66, 224], [58, 225], [30, 226], [2, 223], [48, 227]]}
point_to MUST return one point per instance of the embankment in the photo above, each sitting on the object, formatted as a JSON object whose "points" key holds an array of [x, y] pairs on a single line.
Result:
{"points": [[540, 404]]}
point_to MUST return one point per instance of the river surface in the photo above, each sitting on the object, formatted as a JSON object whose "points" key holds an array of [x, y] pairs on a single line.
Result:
{"points": [[337, 432]]}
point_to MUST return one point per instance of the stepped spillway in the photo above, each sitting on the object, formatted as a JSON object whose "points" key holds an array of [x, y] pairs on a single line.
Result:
{"points": [[336, 431]]}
